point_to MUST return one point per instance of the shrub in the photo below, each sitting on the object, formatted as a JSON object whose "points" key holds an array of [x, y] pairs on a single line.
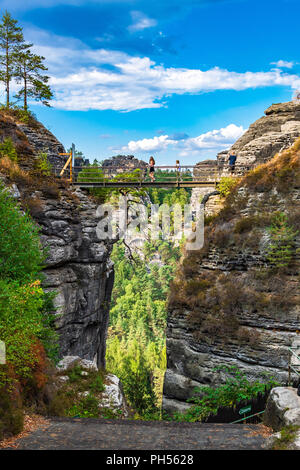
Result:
{"points": [[87, 407], [15, 173], [7, 149], [21, 324], [97, 385], [34, 206], [226, 184], [25, 322], [11, 413], [245, 224], [193, 286], [42, 164], [50, 189], [287, 436], [280, 252], [20, 255], [236, 389]]}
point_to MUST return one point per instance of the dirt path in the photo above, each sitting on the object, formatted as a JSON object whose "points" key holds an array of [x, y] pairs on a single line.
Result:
{"points": [[95, 434]]}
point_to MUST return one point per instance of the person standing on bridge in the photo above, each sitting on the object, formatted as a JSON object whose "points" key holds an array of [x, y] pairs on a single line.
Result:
{"points": [[231, 161], [152, 169], [178, 169]]}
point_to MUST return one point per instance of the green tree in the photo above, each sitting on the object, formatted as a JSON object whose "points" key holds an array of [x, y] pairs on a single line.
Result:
{"points": [[7, 149], [29, 71], [11, 44], [282, 244], [20, 255]]}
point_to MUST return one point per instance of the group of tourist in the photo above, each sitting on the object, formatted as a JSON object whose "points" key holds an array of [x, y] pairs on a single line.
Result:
{"points": [[231, 159]]}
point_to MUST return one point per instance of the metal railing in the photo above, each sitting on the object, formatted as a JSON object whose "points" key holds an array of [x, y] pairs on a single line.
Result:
{"points": [[248, 417], [293, 366], [139, 176]]}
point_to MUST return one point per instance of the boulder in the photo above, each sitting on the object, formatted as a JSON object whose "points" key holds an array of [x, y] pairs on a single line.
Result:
{"points": [[71, 361], [283, 408], [272, 440], [113, 396]]}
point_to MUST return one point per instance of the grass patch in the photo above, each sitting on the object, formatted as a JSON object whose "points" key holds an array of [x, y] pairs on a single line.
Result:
{"points": [[287, 437]]}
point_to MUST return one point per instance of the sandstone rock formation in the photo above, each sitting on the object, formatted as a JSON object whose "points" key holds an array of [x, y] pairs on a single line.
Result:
{"points": [[78, 268], [277, 442], [272, 133], [227, 305], [111, 397], [43, 141], [30, 139], [283, 408], [80, 271], [123, 161]]}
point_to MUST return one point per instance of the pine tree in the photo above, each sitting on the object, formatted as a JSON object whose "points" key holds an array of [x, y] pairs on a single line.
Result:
{"points": [[11, 43], [29, 70]]}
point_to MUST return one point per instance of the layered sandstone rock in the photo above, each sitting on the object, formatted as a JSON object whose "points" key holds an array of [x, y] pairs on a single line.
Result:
{"points": [[227, 305], [79, 271], [78, 268], [270, 134], [30, 139]]}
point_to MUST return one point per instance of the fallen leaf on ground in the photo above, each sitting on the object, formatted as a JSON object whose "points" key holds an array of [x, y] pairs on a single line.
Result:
{"points": [[31, 424]]}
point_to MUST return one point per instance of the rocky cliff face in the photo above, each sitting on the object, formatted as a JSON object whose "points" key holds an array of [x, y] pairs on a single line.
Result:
{"points": [[30, 139], [43, 141], [78, 267], [229, 304], [80, 271], [274, 132]]}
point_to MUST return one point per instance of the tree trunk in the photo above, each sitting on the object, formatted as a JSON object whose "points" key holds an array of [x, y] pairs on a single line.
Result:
{"points": [[7, 76], [25, 89]]}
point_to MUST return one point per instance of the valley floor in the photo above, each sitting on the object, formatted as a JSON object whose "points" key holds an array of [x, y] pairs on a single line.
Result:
{"points": [[97, 434]]}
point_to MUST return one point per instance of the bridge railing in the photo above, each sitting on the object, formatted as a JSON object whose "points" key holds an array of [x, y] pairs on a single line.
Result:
{"points": [[163, 174]]}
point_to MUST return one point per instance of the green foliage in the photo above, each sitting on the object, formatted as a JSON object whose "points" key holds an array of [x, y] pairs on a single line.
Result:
{"points": [[74, 374], [282, 246], [134, 176], [18, 62], [170, 196], [11, 414], [94, 173], [81, 395], [24, 115], [11, 45], [136, 350], [42, 164], [87, 407], [136, 343], [21, 257], [21, 322], [25, 320], [29, 72], [226, 184], [287, 436], [7, 149], [97, 385], [86, 379], [235, 390]]}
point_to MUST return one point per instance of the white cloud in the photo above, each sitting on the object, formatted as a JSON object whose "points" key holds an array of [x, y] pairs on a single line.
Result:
{"points": [[140, 21], [216, 140], [283, 64], [146, 145], [83, 78]]}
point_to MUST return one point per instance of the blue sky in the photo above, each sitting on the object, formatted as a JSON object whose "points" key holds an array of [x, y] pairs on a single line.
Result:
{"points": [[173, 78]]}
